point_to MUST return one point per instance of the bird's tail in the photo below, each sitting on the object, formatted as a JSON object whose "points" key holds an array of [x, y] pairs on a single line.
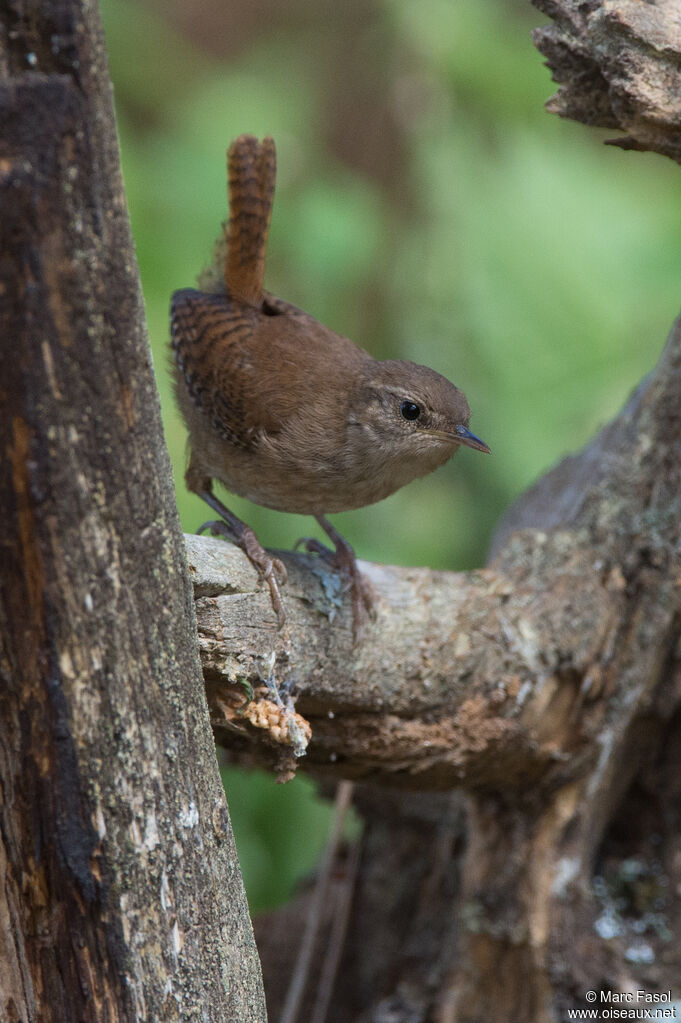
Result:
{"points": [[251, 173]]}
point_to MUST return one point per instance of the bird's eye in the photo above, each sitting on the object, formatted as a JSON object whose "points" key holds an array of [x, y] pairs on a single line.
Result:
{"points": [[410, 410]]}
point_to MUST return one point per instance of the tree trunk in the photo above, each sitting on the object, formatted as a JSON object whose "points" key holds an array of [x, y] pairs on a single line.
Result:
{"points": [[120, 896]]}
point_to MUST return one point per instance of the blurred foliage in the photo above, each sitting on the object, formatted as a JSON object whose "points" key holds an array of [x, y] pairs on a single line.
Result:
{"points": [[429, 208], [280, 831]]}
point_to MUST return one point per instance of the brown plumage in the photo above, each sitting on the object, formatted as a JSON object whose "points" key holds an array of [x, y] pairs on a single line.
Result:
{"points": [[286, 412]]}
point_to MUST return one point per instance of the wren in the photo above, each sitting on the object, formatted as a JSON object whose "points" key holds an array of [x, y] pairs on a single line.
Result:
{"points": [[284, 411]]}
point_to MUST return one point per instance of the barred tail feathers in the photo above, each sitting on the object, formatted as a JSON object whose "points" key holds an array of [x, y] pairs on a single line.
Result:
{"points": [[251, 173]]}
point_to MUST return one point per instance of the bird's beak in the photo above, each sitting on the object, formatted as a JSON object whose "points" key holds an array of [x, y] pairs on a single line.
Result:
{"points": [[465, 436]]}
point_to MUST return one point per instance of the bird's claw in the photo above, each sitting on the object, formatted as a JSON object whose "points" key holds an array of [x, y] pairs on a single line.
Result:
{"points": [[313, 546], [343, 561], [218, 528], [270, 569]]}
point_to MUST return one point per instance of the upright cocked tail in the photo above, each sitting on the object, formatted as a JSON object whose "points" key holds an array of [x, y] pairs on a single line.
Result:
{"points": [[251, 173]]}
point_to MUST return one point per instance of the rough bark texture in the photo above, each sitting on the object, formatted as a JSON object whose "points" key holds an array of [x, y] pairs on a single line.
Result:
{"points": [[120, 895], [618, 63]]}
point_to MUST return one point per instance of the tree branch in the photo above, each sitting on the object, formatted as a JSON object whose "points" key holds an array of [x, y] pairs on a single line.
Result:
{"points": [[618, 63], [438, 692]]}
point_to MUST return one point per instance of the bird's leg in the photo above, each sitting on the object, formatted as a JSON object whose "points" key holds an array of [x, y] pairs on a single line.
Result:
{"points": [[344, 561], [272, 570]]}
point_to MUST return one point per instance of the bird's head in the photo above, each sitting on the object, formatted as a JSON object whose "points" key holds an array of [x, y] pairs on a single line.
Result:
{"points": [[412, 414]]}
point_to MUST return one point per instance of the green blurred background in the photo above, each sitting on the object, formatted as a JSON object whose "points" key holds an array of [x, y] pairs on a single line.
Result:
{"points": [[428, 208]]}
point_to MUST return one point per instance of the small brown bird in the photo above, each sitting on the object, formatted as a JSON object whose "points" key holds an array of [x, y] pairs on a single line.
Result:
{"points": [[286, 412]]}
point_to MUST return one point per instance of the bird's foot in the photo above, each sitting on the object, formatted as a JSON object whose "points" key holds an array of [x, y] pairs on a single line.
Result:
{"points": [[314, 546], [357, 585], [271, 570], [343, 561]]}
